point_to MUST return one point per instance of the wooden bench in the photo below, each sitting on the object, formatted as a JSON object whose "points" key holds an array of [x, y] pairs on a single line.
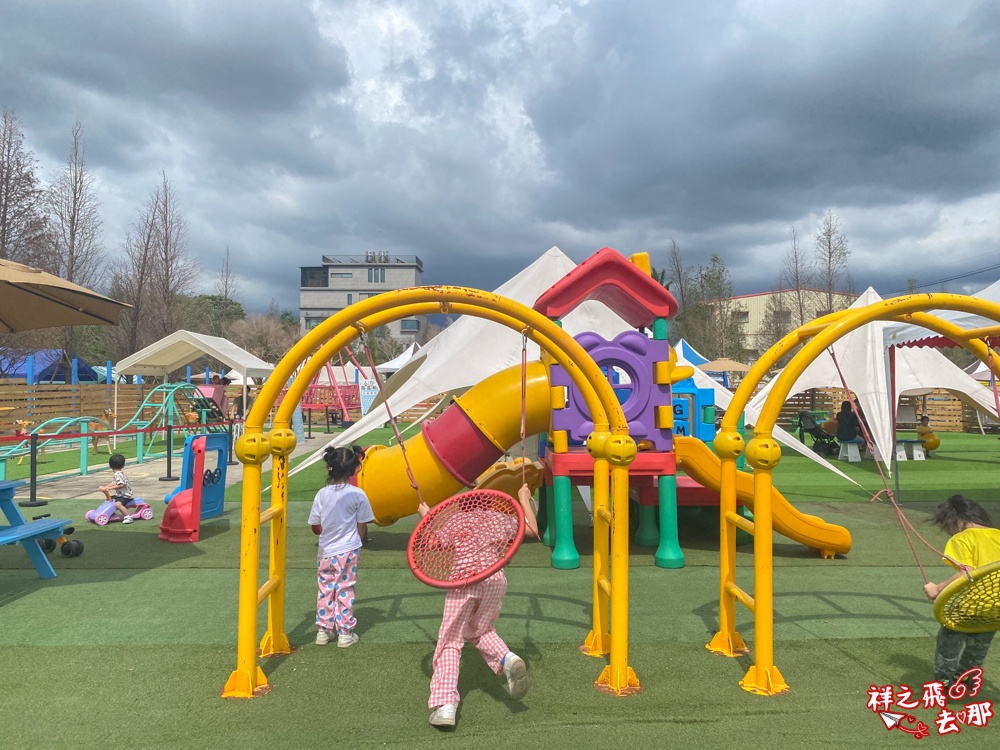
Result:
{"points": [[28, 533]]}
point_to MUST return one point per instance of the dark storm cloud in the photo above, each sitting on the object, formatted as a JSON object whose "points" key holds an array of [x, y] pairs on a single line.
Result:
{"points": [[477, 134]]}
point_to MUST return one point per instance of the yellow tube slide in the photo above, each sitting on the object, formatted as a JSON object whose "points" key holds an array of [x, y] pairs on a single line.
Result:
{"points": [[487, 421], [696, 459]]}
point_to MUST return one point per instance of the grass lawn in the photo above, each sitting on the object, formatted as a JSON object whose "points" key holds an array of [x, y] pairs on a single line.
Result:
{"points": [[131, 644], [62, 459]]}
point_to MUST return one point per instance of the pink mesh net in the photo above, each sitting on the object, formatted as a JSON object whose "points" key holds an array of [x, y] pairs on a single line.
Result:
{"points": [[466, 538]]}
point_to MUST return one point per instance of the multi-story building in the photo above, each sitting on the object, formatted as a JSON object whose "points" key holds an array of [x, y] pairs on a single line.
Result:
{"points": [[343, 280]]}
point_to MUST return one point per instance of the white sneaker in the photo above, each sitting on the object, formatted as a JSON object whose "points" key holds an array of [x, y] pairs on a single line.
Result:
{"points": [[127, 519], [444, 716], [516, 672], [322, 638], [346, 641]]}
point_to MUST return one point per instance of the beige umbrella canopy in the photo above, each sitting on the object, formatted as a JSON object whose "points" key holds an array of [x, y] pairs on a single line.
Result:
{"points": [[31, 298], [724, 364]]}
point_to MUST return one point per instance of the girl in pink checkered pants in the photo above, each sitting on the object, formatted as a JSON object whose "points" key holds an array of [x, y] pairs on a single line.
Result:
{"points": [[469, 614], [339, 517]]}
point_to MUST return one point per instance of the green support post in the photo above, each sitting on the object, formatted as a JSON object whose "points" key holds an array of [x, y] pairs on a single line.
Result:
{"points": [[548, 508], [564, 554], [647, 534], [84, 449], [668, 554]]}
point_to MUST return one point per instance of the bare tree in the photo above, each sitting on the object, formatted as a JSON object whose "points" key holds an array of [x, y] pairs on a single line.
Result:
{"points": [[265, 335], [227, 288], [22, 222], [75, 224], [173, 273], [128, 282], [832, 254], [795, 277]]}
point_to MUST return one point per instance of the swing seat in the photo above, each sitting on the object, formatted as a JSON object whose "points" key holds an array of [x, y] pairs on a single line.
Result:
{"points": [[971, 606]]}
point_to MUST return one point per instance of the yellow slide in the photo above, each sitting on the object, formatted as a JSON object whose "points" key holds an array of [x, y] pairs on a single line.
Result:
{"points": [[450, 453], [696, 459]]}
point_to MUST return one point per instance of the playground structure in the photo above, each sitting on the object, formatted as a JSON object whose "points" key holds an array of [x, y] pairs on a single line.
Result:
{"points": [[202, 490], [610, 443], [763, 453], [170, 407], [453, 450]]}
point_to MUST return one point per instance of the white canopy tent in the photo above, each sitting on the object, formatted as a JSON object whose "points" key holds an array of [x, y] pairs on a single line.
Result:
{"points": [[861, 361], [909, 333], [395, 365], [472, 349], [183, 347], [723, 397]]}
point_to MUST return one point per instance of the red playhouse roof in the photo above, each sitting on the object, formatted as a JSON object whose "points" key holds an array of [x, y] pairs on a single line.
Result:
{"points": [[609, 277]]}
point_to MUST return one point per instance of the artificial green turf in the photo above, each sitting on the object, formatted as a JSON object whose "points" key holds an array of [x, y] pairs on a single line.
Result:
{"points": [[131, 644], [62, 460]]}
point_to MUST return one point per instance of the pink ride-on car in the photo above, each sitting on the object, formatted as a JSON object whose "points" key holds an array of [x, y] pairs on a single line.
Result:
{"points": [[106, 512]]}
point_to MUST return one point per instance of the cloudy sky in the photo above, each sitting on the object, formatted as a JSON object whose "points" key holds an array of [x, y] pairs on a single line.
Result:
{"points": [[476, 134]]}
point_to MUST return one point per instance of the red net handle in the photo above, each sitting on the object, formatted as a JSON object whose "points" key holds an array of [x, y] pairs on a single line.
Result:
{"points": [[430, 568]]}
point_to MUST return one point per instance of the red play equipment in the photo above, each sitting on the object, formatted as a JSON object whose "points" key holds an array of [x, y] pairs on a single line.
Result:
{"points": [[182, 518]]}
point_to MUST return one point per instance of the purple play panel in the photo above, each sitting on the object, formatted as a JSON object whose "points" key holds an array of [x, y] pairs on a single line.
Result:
{"points": [[636, 355]]}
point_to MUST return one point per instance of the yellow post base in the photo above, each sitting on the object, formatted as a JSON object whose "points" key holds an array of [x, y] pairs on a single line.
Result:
{"points": [[595, 644], [621, 684], [275, 645], [245, 685], [723, 645], [764, 681]]}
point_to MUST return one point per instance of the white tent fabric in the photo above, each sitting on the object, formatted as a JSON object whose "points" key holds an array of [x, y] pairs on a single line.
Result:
{"points": [[183, 347], [904, 333], [860, 356], [394, 365], [978, 370], [472, 349], [723, 397]]}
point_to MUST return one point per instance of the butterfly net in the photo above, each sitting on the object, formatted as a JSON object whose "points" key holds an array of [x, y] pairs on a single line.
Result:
{"points": [[466, 538]]}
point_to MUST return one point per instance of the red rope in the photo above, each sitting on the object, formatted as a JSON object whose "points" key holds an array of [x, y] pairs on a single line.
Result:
{"points": [[903, 520], [524, 402], [392, 420]]}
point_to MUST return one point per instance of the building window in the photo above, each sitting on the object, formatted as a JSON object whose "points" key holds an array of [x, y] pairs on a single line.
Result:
{"points": [[313, 277], [409, 325], [350, 297], [341, 274], [376, 275], [741, 316], [783, 317]]}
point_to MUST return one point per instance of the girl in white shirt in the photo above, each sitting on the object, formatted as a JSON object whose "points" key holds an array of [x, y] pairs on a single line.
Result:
{"points": [[339, 517]]}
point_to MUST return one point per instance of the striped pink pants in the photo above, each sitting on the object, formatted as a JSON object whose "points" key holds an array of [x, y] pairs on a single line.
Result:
{"points": [[469, 614], [336, 577]]}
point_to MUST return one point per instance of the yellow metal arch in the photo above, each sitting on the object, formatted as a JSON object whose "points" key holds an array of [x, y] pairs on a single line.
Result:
{"points": [[763, 453], [613, 449]]}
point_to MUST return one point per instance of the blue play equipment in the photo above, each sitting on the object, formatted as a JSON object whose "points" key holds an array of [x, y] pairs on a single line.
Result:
{"points": [[694, 410], [212, 479]]}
